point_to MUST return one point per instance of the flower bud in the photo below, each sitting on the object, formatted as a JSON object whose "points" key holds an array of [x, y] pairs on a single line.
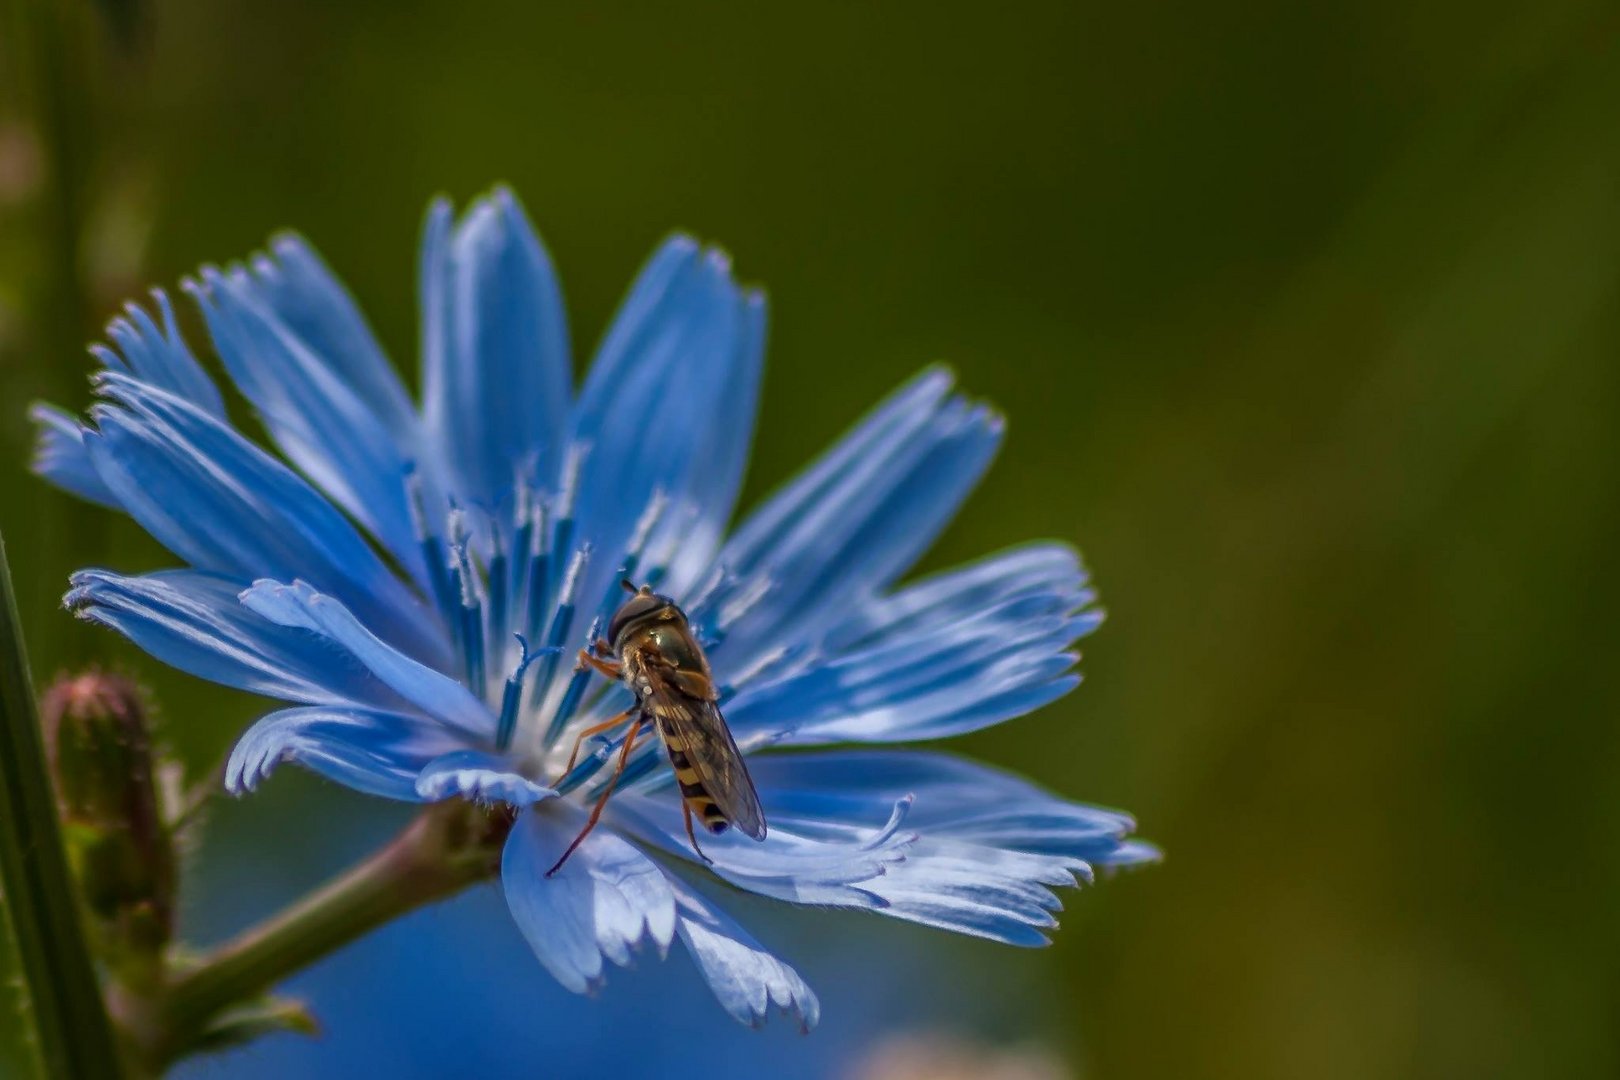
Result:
{"points": [[100, 749]]}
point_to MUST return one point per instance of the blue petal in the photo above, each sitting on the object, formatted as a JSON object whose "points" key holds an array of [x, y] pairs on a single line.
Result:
{"points": [[722, 457], [318, 418], [193, 621], [1002, 896], [309, 300], [299, 605], [901, 415], [159, 357], [373, 752], [955, 798], [224, 505], [682, 359], [990, 847], [850, 859], [953, 653], [747, 980], [946, 685], [814, 866], [61, 457], [484, 777], [496, 369], [855, 520], [606, 899], [1051, 572]]}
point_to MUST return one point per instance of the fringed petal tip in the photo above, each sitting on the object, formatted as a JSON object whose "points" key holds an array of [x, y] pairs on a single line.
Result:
{"points": [[1129, 854], [373, 752], [986, 851], [604, 902], [157, 355], [61, 457], [749, 982]]}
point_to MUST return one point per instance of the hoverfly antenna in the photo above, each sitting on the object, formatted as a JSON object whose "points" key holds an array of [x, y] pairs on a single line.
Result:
{"points": [[626, 585]]}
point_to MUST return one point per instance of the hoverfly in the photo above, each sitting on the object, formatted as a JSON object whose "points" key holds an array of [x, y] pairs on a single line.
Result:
{"points": [[650, 647]]}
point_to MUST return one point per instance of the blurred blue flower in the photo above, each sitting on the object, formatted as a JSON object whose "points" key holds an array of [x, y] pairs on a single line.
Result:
{"points": [[412, 586]]}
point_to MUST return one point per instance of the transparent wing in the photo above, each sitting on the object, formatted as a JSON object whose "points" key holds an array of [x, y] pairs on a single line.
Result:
{"points": [[695, 727]]}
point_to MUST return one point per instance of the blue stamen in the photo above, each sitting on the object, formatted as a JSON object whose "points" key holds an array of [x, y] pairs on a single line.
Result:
{"points": [[499, 566], [627, 570], [643, 762], [544, 599], [585, 769], [521, 555], [512, 694], [434, 556], [562, 617], [472, 647], [577, 685], [537, 576], [472, 606], [562, 535]]}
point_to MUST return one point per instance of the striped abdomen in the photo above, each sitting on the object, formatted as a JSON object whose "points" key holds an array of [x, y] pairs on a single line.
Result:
{"points": [[692, 790]]}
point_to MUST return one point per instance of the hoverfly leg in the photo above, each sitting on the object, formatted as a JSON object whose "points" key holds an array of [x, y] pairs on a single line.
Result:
{"points": [[601, 804], [610, 668], [686, 814], [594, 729], [602, 648]]}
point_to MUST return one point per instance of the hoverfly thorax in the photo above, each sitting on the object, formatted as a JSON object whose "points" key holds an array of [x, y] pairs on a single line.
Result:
{"points": [[650, 626]]}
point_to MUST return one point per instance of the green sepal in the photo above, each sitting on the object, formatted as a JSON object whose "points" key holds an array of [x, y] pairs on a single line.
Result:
{"points": [[248, 1021]]}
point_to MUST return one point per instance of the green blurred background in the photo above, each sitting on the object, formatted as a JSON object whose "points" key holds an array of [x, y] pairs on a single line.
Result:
{"points": [[1305, 318]]}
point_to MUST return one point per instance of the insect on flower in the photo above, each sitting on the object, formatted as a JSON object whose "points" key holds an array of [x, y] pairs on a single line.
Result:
{"points": [[407, 574], [662, 663]]}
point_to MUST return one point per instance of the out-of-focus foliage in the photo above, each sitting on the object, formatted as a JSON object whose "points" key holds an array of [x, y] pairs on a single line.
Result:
{"points": [[1307, 319]]}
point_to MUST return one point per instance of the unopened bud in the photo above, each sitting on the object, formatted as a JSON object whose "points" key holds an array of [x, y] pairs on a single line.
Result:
{"points": [[101, 755]]}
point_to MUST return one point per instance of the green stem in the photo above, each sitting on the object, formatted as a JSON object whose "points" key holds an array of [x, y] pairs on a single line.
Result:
{"points": [[74, 1037], [445, 849]]}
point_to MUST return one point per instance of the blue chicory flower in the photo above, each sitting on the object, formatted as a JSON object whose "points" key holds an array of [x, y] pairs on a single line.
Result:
{"points": [[411, 582]]}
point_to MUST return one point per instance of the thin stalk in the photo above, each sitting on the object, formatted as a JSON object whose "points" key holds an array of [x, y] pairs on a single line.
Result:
{"points": [[445, 849], [74, 1037]]}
